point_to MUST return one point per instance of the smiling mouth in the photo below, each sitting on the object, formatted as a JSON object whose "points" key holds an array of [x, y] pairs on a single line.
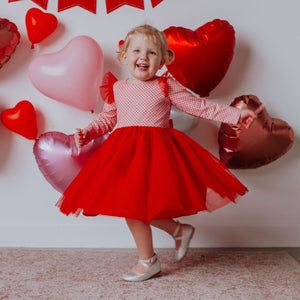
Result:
{"points": [[143, 67]]}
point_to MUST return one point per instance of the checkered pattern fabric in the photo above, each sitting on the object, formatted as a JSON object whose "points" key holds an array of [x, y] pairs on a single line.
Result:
{"points": [[144, 104]]}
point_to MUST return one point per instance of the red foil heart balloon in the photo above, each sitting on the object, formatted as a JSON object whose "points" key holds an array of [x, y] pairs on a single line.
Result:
{"points": [[263, 142], [59, 159], [9, 39], [202, 57], [39, 25], [21, 119]]}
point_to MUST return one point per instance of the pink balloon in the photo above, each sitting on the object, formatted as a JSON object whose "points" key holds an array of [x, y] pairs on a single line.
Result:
{"points": [[72, 75], [59, 159]]}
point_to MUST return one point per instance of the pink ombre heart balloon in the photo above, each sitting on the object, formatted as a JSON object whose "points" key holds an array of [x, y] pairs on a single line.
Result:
{"points": [[59, 159], [72, 75]]}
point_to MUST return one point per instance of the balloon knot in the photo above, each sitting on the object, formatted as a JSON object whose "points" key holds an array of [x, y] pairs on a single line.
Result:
{"points": [[92, 111], [32, 46]]}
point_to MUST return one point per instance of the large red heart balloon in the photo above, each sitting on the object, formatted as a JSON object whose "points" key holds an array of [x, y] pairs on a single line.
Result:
{"points": [[59, 159], [9, 39], [21, 119], [39, 25], [202, 57], [263, 142]]}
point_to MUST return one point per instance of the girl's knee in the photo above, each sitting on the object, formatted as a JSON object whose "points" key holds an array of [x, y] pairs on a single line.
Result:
{"points": [[134, 222]]}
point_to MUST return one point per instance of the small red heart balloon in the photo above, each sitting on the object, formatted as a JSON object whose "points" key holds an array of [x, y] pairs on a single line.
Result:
{"points": [[39, 25], [264, 141], [21, 119], [9, 39], [202, 57]]}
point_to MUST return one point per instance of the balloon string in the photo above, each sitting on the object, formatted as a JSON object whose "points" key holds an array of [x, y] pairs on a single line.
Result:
{"points": [[260, 108], [32, 46]]}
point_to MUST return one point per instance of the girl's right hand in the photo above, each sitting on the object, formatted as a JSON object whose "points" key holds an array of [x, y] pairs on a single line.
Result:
{"points": [[81, 137]]}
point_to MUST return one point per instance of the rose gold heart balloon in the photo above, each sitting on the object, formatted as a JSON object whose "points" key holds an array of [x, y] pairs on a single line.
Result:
{"points": [[264, 141], [9, 39]]}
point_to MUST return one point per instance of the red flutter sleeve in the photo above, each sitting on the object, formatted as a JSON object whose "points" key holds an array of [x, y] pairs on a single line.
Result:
{"points": [[106, 89], [162, 81]]}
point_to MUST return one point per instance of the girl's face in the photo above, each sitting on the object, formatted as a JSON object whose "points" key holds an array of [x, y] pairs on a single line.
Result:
{"points": [[142, 57]]}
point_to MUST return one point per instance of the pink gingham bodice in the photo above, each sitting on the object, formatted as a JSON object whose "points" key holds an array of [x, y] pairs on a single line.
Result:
{"points": [[146, 104]]}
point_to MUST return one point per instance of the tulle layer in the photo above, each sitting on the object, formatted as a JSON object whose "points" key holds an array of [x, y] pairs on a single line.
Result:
{"points": [[149, 173]]}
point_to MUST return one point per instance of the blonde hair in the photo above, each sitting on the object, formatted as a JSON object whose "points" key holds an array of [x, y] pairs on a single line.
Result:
{"points": [[149, 31]]}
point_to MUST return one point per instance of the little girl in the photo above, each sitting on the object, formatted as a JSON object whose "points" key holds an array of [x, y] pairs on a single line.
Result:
{"points": [[146, 171]]}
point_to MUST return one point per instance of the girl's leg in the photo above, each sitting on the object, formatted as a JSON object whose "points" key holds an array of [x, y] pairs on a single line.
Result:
{"points": [[169, 226], [142, 235], [182, 234]]}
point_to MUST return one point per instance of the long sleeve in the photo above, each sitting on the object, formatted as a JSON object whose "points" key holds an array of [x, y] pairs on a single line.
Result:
{"points": [[105, 121], [199, 107]]}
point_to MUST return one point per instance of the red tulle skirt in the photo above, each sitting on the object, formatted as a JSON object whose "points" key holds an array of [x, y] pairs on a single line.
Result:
{"points": [[149, 173]]}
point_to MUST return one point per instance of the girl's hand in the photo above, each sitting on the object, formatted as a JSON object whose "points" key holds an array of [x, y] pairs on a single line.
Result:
{"points": [[81, 137], [247, 117]]}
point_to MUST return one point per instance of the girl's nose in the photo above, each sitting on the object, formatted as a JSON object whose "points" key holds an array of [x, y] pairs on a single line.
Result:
{"points": [[143, 54]]}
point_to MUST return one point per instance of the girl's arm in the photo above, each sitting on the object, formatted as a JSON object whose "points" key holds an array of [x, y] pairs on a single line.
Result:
{"points": [[104, 123], [199, 107]]}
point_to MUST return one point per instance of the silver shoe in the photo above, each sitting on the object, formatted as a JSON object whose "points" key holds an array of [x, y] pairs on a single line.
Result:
{"points": [[151, 272], [186, 236]]}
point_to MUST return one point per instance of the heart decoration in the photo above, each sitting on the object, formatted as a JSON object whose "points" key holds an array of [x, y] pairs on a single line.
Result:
{"points": [[21, 119], [59, 159], [9, 39], [72, 75], [39, 25], [264, 141], [203, 56]]}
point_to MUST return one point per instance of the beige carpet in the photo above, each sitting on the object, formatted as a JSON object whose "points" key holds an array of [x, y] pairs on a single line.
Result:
{"points": [[83, 274]]}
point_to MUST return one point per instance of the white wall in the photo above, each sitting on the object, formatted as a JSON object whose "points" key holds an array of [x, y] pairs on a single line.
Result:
{"points": [[265, 63]]}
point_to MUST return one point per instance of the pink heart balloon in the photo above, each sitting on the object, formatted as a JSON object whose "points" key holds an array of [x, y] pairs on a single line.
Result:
{"points": [[59, 159], [72, 75]]}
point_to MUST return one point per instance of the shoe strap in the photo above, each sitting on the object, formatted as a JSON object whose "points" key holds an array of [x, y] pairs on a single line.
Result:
{"points": [[151, 260], [176, 232]]}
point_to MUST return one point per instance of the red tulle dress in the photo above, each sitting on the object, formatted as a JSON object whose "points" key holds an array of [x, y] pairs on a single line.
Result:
{"points": [[146, 170]]}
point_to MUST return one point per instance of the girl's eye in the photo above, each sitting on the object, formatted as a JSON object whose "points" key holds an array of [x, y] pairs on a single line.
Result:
{"points": [[152, 52], [136, 50]]}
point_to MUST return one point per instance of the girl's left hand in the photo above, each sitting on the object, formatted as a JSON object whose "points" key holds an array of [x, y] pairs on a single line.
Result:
{"points": [[247, 117]]}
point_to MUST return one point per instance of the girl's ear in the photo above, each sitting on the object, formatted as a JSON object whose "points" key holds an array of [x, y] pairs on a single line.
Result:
{"points": [[170, 56], [123, 58]]}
